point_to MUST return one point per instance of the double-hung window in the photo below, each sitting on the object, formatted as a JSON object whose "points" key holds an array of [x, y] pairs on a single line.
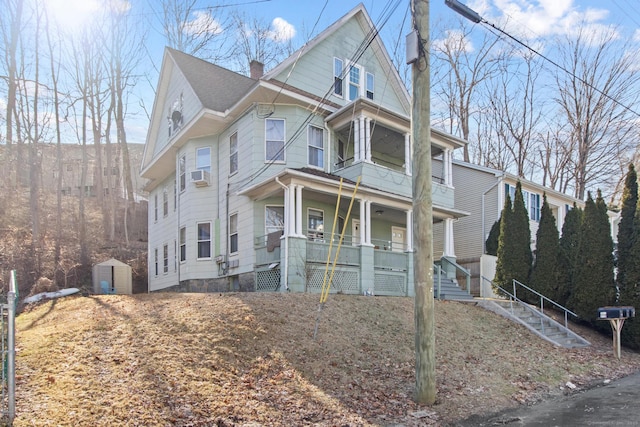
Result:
{"points": [[233, 233], [315, 224], [355, 75], [155, 207], [183, 243], [182, 172], [370, 85], [203, 159], [155, 260], [337, 76], [165, 258], [534, 207], [274, 147], [165, 201], [233, 153], [204, 240], [273, 219], [316, 146]]}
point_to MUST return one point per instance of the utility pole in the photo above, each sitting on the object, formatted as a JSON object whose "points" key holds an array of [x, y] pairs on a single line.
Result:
{"points": [[422, 210]]}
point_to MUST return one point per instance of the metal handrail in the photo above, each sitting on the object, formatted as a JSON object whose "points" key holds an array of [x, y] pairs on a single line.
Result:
{"points": [[543, 299], [466, 272]]}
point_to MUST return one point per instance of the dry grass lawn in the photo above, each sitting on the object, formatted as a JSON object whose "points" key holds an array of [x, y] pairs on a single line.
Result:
{"points": [[250, 360]]}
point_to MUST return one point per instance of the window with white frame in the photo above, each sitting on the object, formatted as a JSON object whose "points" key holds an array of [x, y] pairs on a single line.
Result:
{"points": [[233, 153], [315, 224], [354, 82], [534, 207], [273, 219], [233, 233], [182, 172], [315, 139], [155, 260], [165, 258], [337, 76], [182, 237], [203, 159], [274, 144], [155, 207], [370, 85], [165, 201], [204, 240]]}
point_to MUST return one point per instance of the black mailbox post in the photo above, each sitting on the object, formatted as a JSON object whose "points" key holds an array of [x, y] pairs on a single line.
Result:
{"points": [[616, 317]]}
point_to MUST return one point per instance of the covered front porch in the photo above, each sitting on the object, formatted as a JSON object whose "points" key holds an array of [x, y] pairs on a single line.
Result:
{"points": [[303, 224]]}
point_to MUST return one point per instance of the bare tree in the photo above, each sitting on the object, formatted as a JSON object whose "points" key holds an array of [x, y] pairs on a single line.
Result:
{"points": [[258, 40], [201, 32], [517, 110], [593, 96], [458, 71]]}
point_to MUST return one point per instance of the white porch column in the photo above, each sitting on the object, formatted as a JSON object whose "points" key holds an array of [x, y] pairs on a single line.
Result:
{"points": [[447, 158], [407, 153], [299, 210], [356, 140], [362, 138], [368, 222], [410, 230], [363, 221], [290, 211], [449, 248], [367, 138]]}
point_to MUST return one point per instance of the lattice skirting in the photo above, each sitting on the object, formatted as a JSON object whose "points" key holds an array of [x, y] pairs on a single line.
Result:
{"points": [[389, 283], [345, 280], [268, 280]]}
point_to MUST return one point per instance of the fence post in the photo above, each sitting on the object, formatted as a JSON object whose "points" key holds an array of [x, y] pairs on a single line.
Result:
{"points": [[11, 344]]}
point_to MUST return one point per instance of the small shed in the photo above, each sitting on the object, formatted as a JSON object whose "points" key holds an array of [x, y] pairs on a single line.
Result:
{"points": [[112, 277]]}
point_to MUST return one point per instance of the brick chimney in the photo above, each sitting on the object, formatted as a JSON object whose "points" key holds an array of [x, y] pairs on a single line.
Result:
{"points": [[256, 69]]}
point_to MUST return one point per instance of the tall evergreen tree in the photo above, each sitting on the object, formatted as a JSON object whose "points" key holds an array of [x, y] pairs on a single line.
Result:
{"points": [[491, 245], [568, 253], [594, 283], [630, 335], [544, 274], [626, 233], [514, 248]]}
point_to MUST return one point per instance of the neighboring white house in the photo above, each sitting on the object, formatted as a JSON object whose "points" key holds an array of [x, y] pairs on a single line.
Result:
{"points": [[481, 191], [244, 172]]}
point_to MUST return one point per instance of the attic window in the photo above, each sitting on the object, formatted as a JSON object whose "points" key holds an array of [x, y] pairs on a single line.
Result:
{"points": [[175, 117]]}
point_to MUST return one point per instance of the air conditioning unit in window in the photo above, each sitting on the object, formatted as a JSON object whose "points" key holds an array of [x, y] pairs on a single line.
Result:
{"points": [[200, 178]]}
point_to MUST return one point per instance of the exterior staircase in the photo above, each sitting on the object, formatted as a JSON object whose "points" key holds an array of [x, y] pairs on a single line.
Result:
{"points": [[536, 321], [445, 288]]}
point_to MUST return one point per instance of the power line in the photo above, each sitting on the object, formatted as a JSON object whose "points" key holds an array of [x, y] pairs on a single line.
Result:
{"points": [[476, 18]]}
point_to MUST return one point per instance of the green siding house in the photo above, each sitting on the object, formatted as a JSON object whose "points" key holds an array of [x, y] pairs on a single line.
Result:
{"points": [[251, 179]]}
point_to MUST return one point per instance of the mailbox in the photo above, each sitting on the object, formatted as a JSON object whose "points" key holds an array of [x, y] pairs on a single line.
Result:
{"points": [[616, 312]]}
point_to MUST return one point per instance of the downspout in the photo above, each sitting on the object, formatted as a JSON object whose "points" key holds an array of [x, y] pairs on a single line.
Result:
{"points": [[176, 186], [484, 239], [286, 237]]}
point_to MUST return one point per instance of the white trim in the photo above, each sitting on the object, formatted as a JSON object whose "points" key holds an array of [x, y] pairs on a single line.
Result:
{"points": [[198, 258], [284, 141]]}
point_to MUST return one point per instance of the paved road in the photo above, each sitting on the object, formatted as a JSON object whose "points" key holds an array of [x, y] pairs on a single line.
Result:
{"points": [[614, 404]]}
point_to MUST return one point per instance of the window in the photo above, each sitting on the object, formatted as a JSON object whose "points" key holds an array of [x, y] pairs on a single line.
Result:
{"points": [[182, 172], [204, 240], [316, 146], [155, 207], [370, 85], [175, 255], [275, 140], [273, 219], [337, 76], [175, 195], [354, 82], [155, 252], [315, 224], [341, 153], [534, 207], [233, 233], [233, 153], [203, 159], [165, 259], [165, 201], [183, 243]]}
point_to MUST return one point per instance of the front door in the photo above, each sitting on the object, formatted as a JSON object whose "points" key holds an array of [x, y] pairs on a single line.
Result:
{"points": [[398, 239], [355, 232]]}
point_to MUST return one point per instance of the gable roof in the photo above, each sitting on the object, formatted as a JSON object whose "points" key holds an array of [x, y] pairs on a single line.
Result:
{"points": [[217, 88]]}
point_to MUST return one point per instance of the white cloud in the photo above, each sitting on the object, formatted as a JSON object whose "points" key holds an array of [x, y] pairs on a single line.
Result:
{"points": [[202, 23], [282, 31], [454, 42]]}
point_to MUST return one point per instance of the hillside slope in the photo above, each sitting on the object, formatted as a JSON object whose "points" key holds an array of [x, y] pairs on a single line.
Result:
{"points": [[250, 359]]}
